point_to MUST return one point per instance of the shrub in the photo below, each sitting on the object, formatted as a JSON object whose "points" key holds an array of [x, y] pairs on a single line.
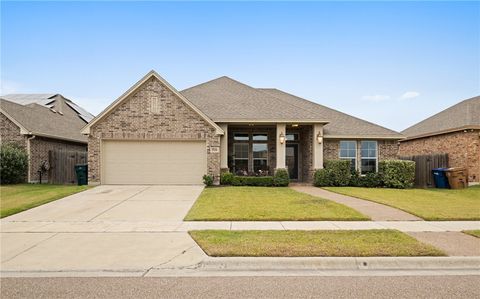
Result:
{"points": [[355, 179], [338, 171], [226, 178], [281, 178], [370, 180], [13, 165], [265, 181], [208, 180], [321, 178], [397, 173]]}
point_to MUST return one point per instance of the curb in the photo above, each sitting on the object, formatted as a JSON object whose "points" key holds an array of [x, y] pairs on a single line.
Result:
{"points": [[339, 263]]}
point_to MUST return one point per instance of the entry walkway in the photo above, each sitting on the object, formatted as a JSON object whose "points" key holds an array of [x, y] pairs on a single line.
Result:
{"points": [[375, 211]]}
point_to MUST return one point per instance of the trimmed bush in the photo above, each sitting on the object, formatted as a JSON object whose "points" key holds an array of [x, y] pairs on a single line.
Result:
{"points": [[397, 173], [355, 179], [281, 178], [371, 180], [338, 171], [265, 181], [208, 180], [226, 178], [13, 164], [321, 178]]}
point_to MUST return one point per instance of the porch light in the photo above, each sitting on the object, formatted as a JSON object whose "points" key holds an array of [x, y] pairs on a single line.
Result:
{"points": [[319, 138], [281, 138], [294, 125]]}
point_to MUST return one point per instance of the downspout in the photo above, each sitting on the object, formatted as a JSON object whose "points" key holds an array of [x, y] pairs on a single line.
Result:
{"points": [[29, 157]]}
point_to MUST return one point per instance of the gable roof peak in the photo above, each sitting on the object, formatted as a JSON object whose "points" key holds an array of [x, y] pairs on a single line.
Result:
{"points": [[151, 74]]}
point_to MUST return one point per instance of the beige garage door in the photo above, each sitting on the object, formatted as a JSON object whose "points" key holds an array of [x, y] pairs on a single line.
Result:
{"points": [[154, 162]]}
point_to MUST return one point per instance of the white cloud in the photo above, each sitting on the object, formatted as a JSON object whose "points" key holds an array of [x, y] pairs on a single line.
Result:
{"points": [[410, 95], [376, 98]]}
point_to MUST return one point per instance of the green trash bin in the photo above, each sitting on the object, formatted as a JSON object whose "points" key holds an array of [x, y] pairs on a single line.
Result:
{"points": [[82, 174]]}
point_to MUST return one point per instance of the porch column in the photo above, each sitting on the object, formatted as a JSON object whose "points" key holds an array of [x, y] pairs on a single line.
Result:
{"points": [[281, 129], [224, 147], [317, 147]]}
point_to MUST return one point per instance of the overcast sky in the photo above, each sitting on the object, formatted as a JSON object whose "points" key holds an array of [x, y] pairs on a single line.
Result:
{"points": [[390, 63]]}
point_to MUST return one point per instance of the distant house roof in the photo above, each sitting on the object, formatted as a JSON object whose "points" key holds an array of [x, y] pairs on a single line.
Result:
{"points": [[47, 100], [38, 115], [225, 99], [464, 115]]}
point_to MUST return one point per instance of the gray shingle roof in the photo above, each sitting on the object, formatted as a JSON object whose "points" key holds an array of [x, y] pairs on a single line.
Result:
{"points": [[30, 98], [463, 115], [47, 100], [39, 119], [340, 124], [225, 98]]}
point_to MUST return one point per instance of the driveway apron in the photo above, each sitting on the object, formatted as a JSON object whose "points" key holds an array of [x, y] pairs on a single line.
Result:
{"points": [[104, 229]]}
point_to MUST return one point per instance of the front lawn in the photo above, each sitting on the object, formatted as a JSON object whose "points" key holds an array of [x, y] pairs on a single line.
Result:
{"points": [[18, 198], [429, 204], [475, 233], [267, 204], [311, 243]]}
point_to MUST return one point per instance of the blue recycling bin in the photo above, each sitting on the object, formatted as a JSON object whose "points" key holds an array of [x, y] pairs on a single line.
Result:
{"points": [[440, 178]]}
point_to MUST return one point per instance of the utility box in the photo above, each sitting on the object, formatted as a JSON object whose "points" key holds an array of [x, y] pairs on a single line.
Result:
{"points": [[457, 177]]}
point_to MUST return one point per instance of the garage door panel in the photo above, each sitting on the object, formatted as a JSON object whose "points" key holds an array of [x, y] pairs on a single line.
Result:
{"points": [[154, 162]]}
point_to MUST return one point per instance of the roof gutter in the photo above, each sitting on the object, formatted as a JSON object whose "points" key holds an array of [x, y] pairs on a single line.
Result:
{"points": [[270, 121], [363, 137], [473, 127]]}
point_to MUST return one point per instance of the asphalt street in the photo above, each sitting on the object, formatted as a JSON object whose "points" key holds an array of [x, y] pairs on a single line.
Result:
{"points": [[244, 287]]}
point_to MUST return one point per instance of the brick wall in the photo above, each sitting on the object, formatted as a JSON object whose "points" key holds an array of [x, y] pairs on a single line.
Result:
{"points": [[10, 132], [463, 149], [39, 147], [153, 112], [387, 149]]}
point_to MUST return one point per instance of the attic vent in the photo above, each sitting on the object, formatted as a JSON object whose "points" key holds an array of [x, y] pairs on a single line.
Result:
{"points": [[155, 105]]}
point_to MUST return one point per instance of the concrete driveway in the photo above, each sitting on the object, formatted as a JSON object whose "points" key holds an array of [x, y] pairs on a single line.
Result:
{"points": [[124, 230]]}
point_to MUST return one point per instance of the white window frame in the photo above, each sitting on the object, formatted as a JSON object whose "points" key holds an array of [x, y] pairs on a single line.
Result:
{"points": [[348, 158], [369, 158]]}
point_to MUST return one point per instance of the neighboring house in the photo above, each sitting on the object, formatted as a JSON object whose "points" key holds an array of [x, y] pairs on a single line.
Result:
{"points": [[42, 122], [154, 134], [455, 131]]}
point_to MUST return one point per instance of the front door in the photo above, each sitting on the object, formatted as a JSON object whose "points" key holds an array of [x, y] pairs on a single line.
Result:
{"points": [[291, 160]]}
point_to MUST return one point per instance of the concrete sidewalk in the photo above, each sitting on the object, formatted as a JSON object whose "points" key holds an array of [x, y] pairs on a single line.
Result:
{"points": [[375, 211], [103, 226]]}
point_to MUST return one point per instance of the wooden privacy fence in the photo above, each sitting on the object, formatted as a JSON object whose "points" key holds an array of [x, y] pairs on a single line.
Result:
{"points": [[424, 164], [62, 166]]}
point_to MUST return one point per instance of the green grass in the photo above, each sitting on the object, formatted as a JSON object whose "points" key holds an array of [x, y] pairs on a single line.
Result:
{"points": [[18, 198], [429, 204], [267, 204], [475, 233], [311, 243]]}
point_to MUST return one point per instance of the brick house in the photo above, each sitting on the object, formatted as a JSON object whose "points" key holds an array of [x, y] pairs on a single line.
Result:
{"points": [[455, 131], [39, 123], [154, 134]]}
